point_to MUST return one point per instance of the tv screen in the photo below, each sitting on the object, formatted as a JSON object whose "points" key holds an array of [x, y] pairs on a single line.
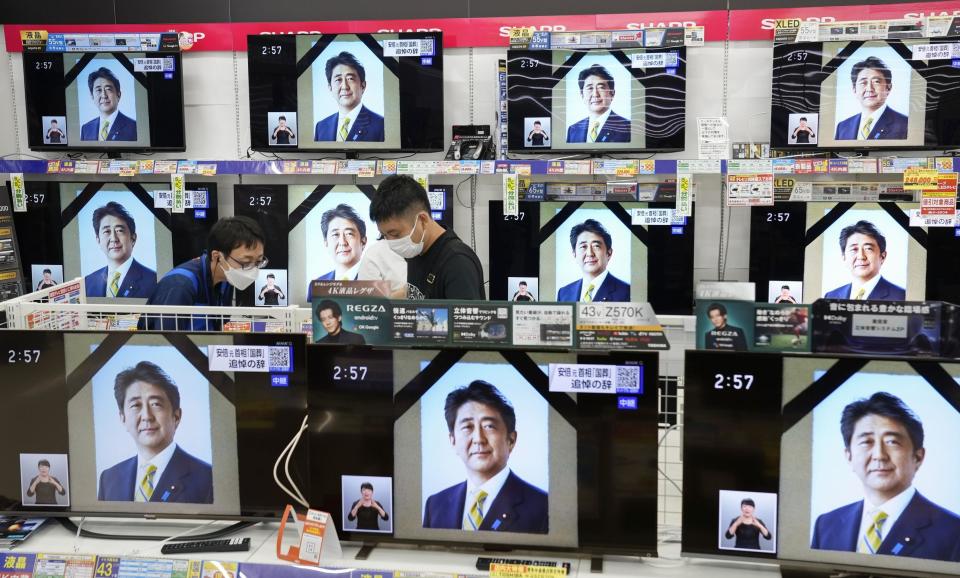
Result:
{"points": [[596, 100], [161, 424], [869, 457], [796, 253], [104, 101], [346, 92], [863, 94], [317, 232], [96, 230], [731, 454], [561, 251], [425, 446]]}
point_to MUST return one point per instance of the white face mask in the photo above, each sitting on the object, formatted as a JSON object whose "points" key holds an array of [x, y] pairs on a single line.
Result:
{"points": [[239, 278], [406, 247]]}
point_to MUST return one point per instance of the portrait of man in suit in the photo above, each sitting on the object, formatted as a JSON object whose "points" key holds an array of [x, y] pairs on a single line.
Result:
{"points": [[347, 81], [872, 82], [482, 429], [883, 440], [592, 249], [123, 276], [345, 237], [111, 125], [149, 406], [863, 250], [330, 316], [602, 125]]}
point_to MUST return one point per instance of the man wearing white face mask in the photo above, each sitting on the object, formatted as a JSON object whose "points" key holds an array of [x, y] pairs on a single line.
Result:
{"points": [[439, 264], [231, 262]]}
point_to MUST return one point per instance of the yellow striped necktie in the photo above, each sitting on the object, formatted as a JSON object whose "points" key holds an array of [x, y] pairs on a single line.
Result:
{"points": [[345, 129], [870, 544], [588, 296], [115, 284], [145, 489], [594, 130], [865, 131], [860, 294], [105, 130], [475, 514]]}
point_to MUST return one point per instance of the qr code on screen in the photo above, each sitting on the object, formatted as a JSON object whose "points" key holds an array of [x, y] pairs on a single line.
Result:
{"points": [[628, 379], [426, 47], [281, 358]]}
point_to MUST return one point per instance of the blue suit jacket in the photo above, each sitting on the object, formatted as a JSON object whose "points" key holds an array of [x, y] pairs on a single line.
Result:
{"points": [[612, 289], [884, 291], [139, 282], [616, 129], [124, 128], [890, 125], [367, 127], [923, 530], [185, 480], [519, 507]]}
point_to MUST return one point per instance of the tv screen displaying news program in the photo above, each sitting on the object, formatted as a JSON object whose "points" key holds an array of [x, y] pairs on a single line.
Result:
{"points": [[563, 251], [801, 252], [558, 468], [864, 94], [868, 457], [108, 101], [630, 99], [164, 424], [346, 92]]}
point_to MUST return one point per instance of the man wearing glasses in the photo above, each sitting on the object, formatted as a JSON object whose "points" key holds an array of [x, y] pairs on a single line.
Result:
{"points": [[231, 262]]}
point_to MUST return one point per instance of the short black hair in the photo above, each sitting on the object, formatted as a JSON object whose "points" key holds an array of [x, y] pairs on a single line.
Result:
{"points": [[117, 210], [803, 118], [885, 405], [47, 271], [332, 306], [43, 463], [397, 196], [53, 121], [366, 486], [747, 502], [146, 372], [534, 122], [102, 72], [346, 59], [787, 287], [595, 70], [281, 117], [271, 276], [524, 283], [343, 211], [590, 226], [871, 62], [717, 307], [481, 392], [233, 232], [864, 228]]}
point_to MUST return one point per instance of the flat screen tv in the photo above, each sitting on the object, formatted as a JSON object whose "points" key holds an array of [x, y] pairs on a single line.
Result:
{"points": [[406, 436], [107, 102], [597, 101], [854, 95], [346, 92], [122, 424]]}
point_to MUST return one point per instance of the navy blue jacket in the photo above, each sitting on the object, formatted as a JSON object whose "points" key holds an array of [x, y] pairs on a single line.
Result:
{"points": [[190, 284], [139, 281], [923, 530], [884, 291], [519, 507], [368, 126], [616, 129], [186, 479], [891, 125], [123, 128], [612, 289]]}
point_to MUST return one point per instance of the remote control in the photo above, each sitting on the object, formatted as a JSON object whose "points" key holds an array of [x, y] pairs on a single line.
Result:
{"points": [[228, 545]]}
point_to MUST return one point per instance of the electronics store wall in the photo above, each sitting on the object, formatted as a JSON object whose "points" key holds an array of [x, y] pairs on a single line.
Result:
{"points": [[216, 116]]}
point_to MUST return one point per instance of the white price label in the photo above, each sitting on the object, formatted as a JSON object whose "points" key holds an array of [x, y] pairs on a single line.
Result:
{"points": [[808, 32], [919, 220], [583, 378], [654, 60], [869, 325], [250, 358], [802, 191], [408, 47], [699, 166]]}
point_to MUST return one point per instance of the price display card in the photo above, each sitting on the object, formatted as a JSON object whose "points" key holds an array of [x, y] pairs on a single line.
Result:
{"points": [[481, 324], [543, 325], [420, 322], [602, 325]]}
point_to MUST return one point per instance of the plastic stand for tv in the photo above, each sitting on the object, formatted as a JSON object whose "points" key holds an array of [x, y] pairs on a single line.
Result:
{"points": [[596, 564], [235, 527], [365, 550]]}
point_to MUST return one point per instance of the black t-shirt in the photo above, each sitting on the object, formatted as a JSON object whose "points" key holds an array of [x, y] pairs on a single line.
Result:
{"points": [[449, 269], [536, 139], [271, 296], [519, 297], [747, 536], [283, 136], [345, 337], [368, 518]]}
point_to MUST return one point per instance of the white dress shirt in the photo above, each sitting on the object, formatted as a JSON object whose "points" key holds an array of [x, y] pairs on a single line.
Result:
{"points": [[893, 508], [492, 487], [160, 460], [596, 282], [863, 121], [123, 274], [868, 287]]}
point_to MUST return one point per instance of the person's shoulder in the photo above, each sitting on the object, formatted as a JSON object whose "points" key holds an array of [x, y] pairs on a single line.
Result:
{"points": [[448, 493], [142, 268], [617, 281], [835, 515], [119, 467], [516, 481], [370, 114], [938, 514], [182, 456], [101, 272]]}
